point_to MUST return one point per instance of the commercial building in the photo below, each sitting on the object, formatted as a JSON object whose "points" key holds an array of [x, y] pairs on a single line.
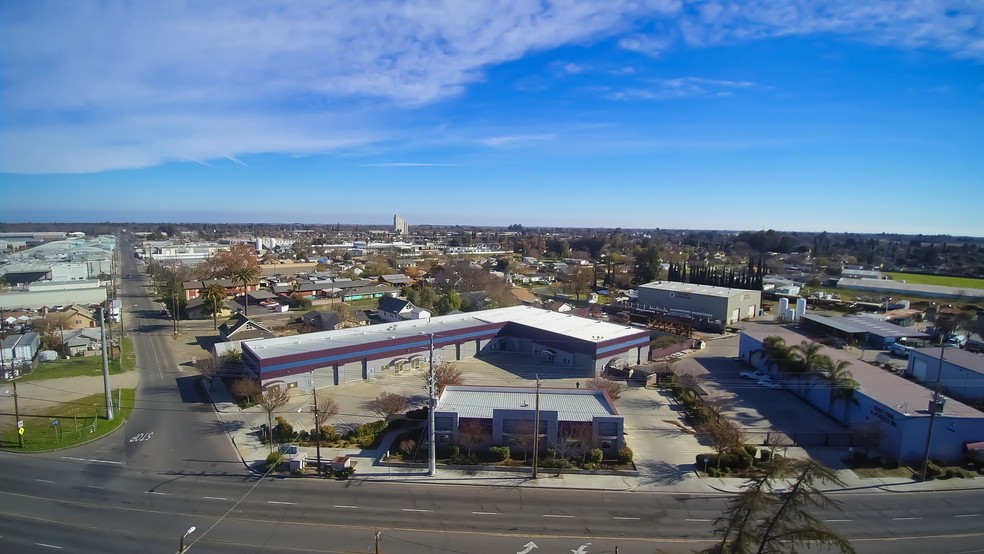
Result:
{"points": [[507, 415], [860, 330], [719, 305], [896, 288], [963, 371], [896, 407], [562, 344], [400, 226]]}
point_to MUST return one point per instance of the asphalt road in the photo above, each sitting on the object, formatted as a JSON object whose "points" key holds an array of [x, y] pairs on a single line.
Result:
{"points": [[171, 467]]}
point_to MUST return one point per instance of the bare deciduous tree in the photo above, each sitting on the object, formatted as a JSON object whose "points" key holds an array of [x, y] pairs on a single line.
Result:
{"points": [[271, 400], [209, 368], [472, 433], [388, 405], [408, 447], [613, 388], [723, 435], [327, 409], [246, 388], [445, 373], [574, 439]]}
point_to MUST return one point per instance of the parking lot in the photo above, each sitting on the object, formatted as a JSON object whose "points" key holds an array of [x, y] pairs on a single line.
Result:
{"points": [[757, 409]]}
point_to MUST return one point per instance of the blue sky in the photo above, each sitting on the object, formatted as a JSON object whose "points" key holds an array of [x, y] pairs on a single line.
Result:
{"points": [[795, 115]]}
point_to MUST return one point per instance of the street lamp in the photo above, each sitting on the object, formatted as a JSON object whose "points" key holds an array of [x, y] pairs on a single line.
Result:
{"points": [[181, 547]]}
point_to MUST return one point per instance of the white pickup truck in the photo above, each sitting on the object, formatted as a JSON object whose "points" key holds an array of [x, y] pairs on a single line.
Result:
{"points": [[753, 375]]}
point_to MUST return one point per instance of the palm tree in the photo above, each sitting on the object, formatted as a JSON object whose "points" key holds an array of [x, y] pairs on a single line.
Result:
{"points": [[214, 293], [776, 353], [246, 275], [807, 356], [842, 387]]}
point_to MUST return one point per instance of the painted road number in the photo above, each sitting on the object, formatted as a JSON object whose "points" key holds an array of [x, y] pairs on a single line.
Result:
{"points": [[141, 437]]}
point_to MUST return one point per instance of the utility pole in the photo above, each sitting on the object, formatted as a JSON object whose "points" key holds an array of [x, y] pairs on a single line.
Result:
{"points": [[536, 429], [20, 436], [934, 406], [376, 540], [174, 314], [317, 426], [109, 392], [432, 403]]}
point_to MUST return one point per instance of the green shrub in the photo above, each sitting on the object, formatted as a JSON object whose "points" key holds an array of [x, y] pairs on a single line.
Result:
{"points": [[933, 471], [283, 431], [751, 450], [364, 435], [714, 472], [624, 455], [274, 460], [595, 455], [499, 453], [591, 466], [329, 433], [303, 436], [344, 473], [418, 414]]}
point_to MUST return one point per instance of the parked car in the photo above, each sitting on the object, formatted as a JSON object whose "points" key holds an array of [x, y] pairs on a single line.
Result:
{"points": [[754, 375], [769, 383]]}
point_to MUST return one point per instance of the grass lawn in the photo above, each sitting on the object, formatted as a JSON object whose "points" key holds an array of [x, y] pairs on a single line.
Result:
{"points": [[958, 282], [87, 366], [78, 421], [872, 472]]}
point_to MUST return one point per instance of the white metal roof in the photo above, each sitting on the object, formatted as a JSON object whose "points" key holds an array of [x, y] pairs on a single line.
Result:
{"points": [[705, 290], [572, 326], [480, 402]]}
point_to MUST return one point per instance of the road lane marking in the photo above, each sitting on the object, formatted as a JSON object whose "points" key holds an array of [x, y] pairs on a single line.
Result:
{"points": [[160, 493], [278, 502], [695, 519], [346, 506], [968, 515], [48, 545], [74, 459], [904, 518], [837, 520], [215, 498], [415, 510], [627, 518], [45, 481], [486, 513], [96, 486], [556, 515]]}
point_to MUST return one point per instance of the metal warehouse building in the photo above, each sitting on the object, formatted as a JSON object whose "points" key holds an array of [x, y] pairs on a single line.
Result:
{"points": [[898, 407], [720, 305], [865, 330], [562, 342], [963, 371]]}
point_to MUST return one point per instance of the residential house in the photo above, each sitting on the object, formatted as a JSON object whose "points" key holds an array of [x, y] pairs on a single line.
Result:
{"points": [[73, 317], [84, 342], [19, 351], [240, 327], [397, 309], [322, 320]]}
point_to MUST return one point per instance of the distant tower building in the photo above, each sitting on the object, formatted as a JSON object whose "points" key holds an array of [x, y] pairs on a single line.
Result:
{"points": [[400, 226]]}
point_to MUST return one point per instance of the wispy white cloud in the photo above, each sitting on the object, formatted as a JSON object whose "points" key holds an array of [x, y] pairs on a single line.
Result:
{"points": [[682, 87], [515, 140], [410, 164]]}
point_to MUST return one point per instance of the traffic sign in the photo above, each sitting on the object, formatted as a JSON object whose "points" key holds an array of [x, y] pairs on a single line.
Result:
{"points": [[20, 423], [20, 431], [54, 422]]}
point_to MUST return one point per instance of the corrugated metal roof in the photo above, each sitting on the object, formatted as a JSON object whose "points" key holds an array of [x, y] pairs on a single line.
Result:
{"points": [[480, 402], [706, 290]]}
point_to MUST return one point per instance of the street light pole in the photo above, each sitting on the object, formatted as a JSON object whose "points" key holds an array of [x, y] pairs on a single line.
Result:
{"points": [[536, 428], [20, 436], [181, 545], [317, 424], [106, 388], [431, 446]]}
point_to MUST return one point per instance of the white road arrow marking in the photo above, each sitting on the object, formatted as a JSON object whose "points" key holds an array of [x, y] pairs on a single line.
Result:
{"points": [[528, 547], [583, 549]]}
